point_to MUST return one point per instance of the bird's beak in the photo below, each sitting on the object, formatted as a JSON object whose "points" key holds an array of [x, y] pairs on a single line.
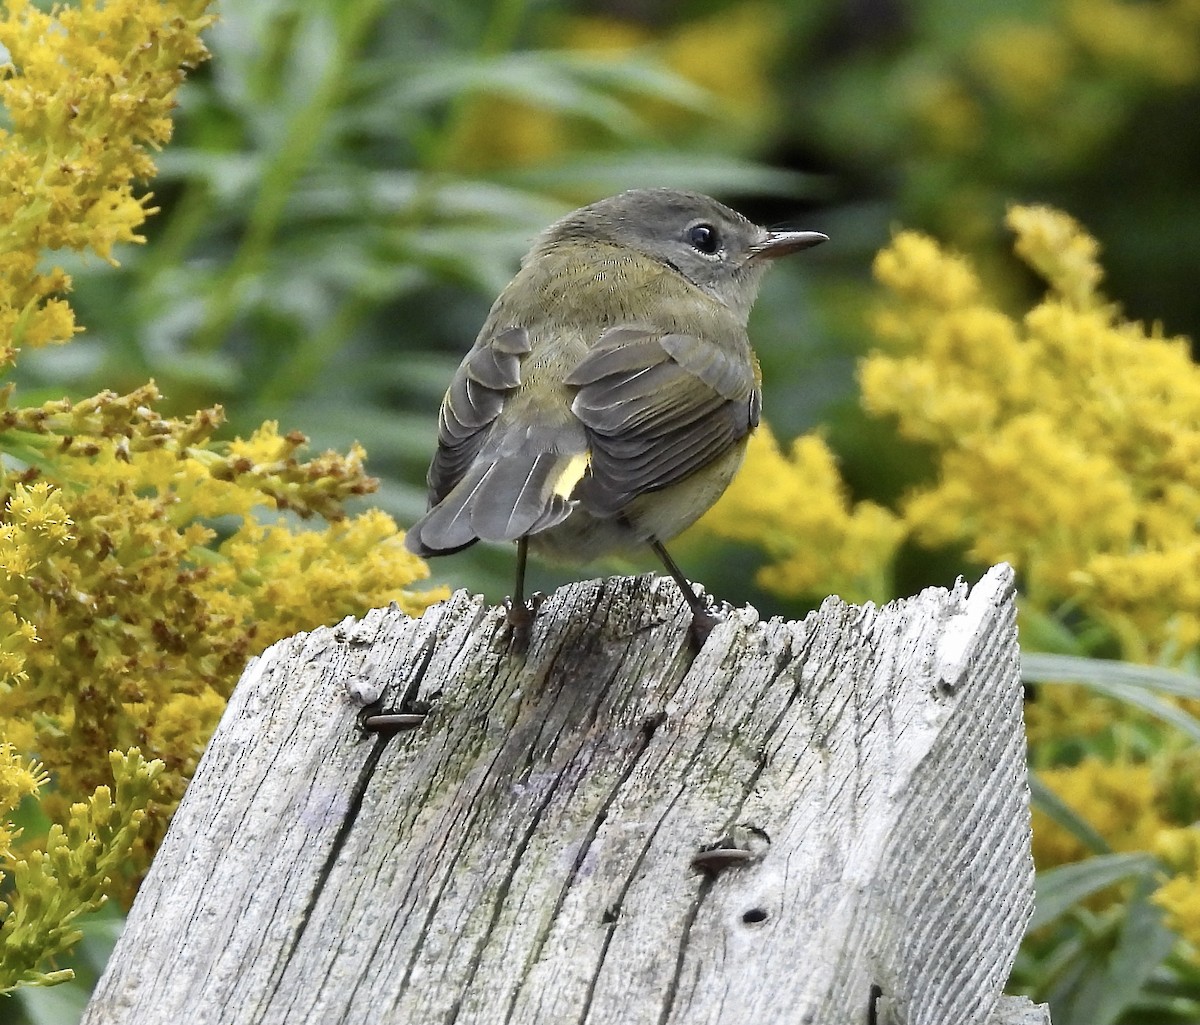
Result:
{"points": [[780, 243]]}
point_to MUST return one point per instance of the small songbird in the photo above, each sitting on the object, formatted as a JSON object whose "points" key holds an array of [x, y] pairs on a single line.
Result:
{"points": [[607, 401]]}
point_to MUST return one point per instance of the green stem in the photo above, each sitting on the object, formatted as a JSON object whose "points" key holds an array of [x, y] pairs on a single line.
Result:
{"points": [[499, 35], [293, 375], [291, 159]]}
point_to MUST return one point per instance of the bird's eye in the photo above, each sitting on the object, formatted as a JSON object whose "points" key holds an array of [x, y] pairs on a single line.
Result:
{"points": [[704, 238]]}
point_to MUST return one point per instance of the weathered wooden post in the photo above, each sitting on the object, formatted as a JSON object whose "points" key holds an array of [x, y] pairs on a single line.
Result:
{"points": [[540, 848]]}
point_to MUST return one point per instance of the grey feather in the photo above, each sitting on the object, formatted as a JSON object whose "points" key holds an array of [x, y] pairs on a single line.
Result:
{"points": [[487, 375], [447, 526], [500, 498], [653, 422], [729, 374], [623, 403], [619, 350], [616, 479], [557, 510], [514, 497], [493, 368], [515, 340], [468, 405]]}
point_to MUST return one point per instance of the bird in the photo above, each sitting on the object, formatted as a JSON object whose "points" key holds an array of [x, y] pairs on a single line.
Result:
{"points": [[607, 401]]}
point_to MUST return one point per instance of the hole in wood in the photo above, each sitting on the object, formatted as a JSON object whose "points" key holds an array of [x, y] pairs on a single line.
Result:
{"points": [[754, 916], [651, 723]]}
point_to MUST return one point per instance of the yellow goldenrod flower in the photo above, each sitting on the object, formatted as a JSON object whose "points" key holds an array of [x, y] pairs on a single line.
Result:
{"points": [[794, 505], [1179, 896], [1025, 62], [1065, 441], [124, 619], [1055, 246], [86, 91], [1118, 799]]}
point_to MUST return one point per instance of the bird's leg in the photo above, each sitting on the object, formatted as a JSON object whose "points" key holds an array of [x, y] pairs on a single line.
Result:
{"points": [[703, 620], [520, 613]]}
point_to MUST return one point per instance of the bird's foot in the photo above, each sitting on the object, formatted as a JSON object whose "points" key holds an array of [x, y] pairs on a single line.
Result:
{"points": [[704, 621], [519, 616]]}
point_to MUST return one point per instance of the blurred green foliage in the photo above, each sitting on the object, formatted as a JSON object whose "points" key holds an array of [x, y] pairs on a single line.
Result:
{"points": [[352, 182]]}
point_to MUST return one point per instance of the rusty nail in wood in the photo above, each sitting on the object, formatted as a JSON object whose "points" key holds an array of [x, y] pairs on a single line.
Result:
{"points": [[717, 858], [382, 721]]}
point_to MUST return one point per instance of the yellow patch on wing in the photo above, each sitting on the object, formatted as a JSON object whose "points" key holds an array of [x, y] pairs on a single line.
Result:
{"points": [[572, 474]]}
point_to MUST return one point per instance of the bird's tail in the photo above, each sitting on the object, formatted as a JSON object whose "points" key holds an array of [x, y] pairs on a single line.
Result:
{"points": [[501, 498]]}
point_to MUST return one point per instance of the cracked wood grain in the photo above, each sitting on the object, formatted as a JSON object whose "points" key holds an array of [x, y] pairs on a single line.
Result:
{"points": [[824, 821]]}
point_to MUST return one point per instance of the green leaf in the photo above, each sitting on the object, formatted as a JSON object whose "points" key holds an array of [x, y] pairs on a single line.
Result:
{"points": [[562, 83], [1050, 804], [1123, 681], [1113, 982], [1039, 667], [1060, 889], [558, 80]]}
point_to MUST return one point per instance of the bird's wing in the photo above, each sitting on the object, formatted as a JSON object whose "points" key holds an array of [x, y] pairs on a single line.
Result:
{"points": [[474, 399], [658, 407], [650, 410], [492, 478]]}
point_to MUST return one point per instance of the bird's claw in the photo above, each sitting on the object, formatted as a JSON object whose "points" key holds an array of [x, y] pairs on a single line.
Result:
{"points": [[704, 621], [519, 616]]}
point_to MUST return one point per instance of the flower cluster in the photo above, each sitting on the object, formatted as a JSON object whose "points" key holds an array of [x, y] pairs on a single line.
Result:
{"points": [[150, 577], [69, 874], [1134, 805], [1179, 896], [1121, 800], [86, 91], [1066, 440], [142, 560], [817, 541]]}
